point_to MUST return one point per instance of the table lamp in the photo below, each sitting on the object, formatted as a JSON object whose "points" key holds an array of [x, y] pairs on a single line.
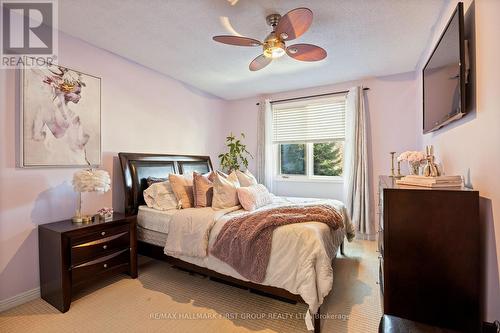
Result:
{"points": [[88, 180]]}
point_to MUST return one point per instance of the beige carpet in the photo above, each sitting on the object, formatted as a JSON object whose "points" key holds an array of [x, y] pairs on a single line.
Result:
{"points": [[164, 299]]}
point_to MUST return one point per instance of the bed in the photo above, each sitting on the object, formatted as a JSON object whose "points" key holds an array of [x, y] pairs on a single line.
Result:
{"points": [[311, 244]]}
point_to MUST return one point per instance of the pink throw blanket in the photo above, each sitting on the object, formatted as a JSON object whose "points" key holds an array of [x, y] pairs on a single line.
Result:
{"points": [[244, 242]]}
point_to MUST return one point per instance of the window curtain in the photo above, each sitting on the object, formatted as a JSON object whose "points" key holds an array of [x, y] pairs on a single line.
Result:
{"points": [[356, 176], [265, 149]]}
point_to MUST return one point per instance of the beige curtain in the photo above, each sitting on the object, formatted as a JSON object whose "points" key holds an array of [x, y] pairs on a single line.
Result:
{"points": [[265, 158], [356, 173]]}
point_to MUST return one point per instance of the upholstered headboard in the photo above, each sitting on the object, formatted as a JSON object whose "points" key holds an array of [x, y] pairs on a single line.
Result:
{"points": [[136, 168]]}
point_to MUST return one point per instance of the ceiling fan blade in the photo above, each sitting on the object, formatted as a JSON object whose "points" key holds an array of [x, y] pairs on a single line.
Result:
{"points": [[237, 40], [259, 63], [306, 52], [294, 23]]}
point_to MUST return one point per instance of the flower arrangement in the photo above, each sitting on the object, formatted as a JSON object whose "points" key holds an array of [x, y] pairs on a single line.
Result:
{"points": [[414, 158], [105, 213]]}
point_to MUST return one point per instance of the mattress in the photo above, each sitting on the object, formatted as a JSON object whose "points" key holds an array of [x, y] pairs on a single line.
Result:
{"points": [[154, 219], [151, 237]]}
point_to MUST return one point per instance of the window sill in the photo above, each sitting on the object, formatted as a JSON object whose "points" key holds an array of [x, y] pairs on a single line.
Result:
{"points": [[336, 180]]}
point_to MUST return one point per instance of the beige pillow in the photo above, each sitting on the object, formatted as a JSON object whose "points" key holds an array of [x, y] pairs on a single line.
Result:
{"points": [[225, 191], [160, 195], [253, 197], [183, 189], [203, 190], [246, 178]]}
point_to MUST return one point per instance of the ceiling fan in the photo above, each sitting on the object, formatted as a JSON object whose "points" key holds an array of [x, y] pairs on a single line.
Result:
{"points": [[285, 28]]}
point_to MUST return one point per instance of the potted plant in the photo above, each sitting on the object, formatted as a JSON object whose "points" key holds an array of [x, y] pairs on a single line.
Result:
{"points": [[237, 154]]}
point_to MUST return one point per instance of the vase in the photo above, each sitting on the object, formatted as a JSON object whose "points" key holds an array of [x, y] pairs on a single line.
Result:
{"points": [[414, 168]]}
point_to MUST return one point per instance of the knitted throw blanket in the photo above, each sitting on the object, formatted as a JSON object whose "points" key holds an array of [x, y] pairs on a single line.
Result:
{"points": [[244, 242]]}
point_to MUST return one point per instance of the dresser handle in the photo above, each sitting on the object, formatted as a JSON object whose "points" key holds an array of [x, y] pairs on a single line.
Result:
{"points": [[105, 265], [104, 247], [103, 233]]}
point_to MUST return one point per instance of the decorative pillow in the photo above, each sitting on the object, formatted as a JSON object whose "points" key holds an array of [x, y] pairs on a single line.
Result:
{"points": [[160, 196], [151, 180], [246, 178], [253, 197], [203, 190], [183, 189], [225, 194]]}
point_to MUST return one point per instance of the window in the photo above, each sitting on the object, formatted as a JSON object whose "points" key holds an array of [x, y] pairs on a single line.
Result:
{"points": [[309, 136]]}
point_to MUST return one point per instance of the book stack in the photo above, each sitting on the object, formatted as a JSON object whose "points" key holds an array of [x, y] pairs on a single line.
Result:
{"points": [[431, 182]]}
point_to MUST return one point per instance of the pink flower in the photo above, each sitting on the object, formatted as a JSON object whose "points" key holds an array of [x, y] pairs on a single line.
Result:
{"points": [[412, 157]]}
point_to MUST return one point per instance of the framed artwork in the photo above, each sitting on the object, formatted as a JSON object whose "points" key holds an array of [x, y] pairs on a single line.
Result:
{"points": [[60, 120]]}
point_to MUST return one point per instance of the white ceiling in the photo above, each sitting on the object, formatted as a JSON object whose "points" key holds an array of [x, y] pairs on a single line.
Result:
{"points": [[362, 37]]}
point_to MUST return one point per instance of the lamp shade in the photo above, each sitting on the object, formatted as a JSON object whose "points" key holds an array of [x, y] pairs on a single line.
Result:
{"points": [[90, 180]]}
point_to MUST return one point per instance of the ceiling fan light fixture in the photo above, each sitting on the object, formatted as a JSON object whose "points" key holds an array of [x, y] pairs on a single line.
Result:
{"points": [[274, 48], [274, 52]]}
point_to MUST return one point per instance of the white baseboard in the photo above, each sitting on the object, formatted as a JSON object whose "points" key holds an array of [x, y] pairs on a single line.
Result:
{"points": [[19, 299]]}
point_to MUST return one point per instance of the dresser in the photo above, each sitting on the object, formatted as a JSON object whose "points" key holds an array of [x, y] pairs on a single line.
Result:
{"points": [[72, 255], [429, 248]]}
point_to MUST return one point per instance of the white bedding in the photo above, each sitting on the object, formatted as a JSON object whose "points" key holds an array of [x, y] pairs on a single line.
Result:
{"points": [[301, 254], [154, 219]]}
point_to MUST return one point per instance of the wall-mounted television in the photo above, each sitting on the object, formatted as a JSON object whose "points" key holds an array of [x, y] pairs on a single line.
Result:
{"points": [[444, 76]]}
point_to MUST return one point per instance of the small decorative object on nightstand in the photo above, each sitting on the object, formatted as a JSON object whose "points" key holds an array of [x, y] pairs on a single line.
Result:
{"points": [[71, 255], [105, 214]]}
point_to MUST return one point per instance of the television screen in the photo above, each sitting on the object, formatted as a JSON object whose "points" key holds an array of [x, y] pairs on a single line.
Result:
{"points": [[444, 77]]}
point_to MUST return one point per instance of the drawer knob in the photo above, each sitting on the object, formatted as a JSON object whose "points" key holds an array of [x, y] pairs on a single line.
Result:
{"points": [[103, 233], [105, 265], [104, 247]]}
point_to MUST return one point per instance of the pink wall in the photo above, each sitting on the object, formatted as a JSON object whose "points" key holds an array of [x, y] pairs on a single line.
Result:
{"points": [[391, 125], [470, 146], [142, 111]]}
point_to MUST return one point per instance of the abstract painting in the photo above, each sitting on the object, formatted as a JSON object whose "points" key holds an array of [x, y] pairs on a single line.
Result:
{"points": [[60, 117]]}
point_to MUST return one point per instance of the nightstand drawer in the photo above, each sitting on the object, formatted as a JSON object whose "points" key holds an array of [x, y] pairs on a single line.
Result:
{"points": [[98, 248], [93, 268], [96, 235]]}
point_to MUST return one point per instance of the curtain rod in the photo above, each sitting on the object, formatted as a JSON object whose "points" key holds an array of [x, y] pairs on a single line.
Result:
{"points": [[312, 96]]}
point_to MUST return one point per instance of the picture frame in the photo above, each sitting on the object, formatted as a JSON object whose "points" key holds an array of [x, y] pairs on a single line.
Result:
{"points": [[59, 118]]}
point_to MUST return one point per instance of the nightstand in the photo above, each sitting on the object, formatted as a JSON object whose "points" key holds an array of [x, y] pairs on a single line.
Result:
{"points": [[72, 255]]}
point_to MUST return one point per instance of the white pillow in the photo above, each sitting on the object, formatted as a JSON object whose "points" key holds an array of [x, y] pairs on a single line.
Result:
{"points": [[246, 178], [253, 197], [225, 191], [160, 196]]}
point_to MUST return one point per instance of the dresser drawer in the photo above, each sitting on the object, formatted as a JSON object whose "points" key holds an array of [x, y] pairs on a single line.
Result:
{"points": [[99, 234], [91, 269], [98, 248]]}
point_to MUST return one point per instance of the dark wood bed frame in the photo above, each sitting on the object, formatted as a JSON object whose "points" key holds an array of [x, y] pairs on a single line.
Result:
{"points": [[136, 168]]}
